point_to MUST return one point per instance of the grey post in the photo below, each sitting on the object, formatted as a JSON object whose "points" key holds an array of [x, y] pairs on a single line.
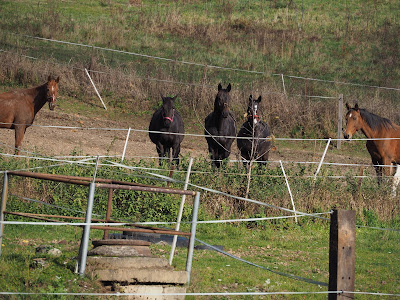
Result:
{"points": [[3, 206], [340, 121], [178, 223], [193, 235], [342, 254], [86, 230]]}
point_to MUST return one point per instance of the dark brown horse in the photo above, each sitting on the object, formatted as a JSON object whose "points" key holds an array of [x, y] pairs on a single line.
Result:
{"points": [[385, 153], [18, 108], [255, 146], [220, 127], [167, 120]]}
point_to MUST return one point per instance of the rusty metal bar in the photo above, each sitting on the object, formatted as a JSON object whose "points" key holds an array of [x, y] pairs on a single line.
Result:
{"points": [[169, 232], [89, 179], [145, 189], [140, 228], [51, 177], [32, 216], [103, 183], [108, 213]]}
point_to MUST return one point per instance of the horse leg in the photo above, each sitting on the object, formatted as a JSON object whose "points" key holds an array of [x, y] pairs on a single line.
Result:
{"points": [[19, 135], [213, 153], [176, 149], [161, 152], [396, 180], [378, 170]]}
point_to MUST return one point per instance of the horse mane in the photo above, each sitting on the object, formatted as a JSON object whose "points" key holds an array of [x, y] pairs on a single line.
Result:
{"points": [[374, 121]]}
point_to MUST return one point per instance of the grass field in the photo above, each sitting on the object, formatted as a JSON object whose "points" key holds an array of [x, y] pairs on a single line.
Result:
{"points": [[286, 51]]}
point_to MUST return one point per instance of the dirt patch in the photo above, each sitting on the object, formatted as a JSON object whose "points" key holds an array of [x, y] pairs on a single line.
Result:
{"points": [[95, 136]]}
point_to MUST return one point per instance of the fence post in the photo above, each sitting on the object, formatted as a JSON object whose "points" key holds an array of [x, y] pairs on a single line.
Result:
{"points": [[342, 254], [86, 231], [340, 121], [196, 203], [126, 144], [3, 206], [108, 213], [180, 213]]}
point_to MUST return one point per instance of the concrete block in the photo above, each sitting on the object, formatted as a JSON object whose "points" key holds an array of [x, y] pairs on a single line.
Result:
{"points": [[142, 276]]}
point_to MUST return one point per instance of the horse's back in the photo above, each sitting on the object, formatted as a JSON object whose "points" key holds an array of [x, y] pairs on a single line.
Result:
{"points": [[14, 108]]}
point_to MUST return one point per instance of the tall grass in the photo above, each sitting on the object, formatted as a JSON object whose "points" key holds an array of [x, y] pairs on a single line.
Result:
{"points": [[354, 42]]}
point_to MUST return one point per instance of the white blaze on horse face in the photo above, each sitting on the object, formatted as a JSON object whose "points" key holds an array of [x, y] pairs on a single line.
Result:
{"points": [[255, 114]]}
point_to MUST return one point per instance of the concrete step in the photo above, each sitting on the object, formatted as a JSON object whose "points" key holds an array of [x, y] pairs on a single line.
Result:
{"points": [[152, 276], [113, 263], [120, 250], [151, 289]]}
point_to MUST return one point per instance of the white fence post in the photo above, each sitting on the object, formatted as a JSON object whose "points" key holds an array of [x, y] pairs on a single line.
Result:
{"points": [[290, 191], [98, 95], [126, 144], [322, 159]]}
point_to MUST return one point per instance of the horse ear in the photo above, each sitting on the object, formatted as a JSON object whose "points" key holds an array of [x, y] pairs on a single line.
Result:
{"points": [[49, 78], [259, 99], [58, 79], [173, 98], [228, 88], [356, 106], [250, 98], [219, 87], [348, 106]]}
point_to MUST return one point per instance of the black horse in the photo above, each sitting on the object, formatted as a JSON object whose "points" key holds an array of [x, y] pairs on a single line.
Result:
{"points": [[167, 119], [255, 147], [218, 125]]}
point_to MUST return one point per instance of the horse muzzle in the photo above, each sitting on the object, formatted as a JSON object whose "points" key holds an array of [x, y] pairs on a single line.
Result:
{"points": [[52, 105], [347, 136]]}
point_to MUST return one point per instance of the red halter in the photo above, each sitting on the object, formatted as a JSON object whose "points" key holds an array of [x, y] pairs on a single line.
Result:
{"points": [[168, 118]]}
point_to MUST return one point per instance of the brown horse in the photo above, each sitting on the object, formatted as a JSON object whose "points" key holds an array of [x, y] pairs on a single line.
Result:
{"points": [[18, 108], [385, 153]]}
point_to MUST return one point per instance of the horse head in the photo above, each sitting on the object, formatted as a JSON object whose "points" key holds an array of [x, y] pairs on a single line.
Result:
{"points": [[52, 91], [353, 121], [168, 110], [252, 110], [221, 103]]}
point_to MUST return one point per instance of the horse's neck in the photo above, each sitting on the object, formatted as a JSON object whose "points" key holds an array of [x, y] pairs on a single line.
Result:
{"points": [[369, 132], [39, 97], [219, 120]]}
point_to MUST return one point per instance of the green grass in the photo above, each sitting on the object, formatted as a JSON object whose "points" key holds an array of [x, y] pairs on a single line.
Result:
{"points": [[300, 250]]}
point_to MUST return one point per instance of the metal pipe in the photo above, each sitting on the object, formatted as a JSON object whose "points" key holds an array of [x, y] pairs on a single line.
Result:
{"points": [[145, 189], [62, 178], [193, 235], [108, 213], [4, 194], [86, 230], [180, 213]]}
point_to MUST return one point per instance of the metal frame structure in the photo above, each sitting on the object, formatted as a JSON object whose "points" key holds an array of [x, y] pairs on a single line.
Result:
{"points": [[109, 184]]}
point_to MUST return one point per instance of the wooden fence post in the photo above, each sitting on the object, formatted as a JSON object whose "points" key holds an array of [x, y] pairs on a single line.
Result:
{"points": [[342, 254], [340, 120]]}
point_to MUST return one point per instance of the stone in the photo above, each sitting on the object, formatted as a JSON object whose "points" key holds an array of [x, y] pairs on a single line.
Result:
{"points": [[142, 276], [54, 252], [151, 289], [122, 251], [104, 262]]}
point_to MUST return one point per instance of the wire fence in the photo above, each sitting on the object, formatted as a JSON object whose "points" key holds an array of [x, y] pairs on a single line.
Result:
{"points": [[85, 160]]}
